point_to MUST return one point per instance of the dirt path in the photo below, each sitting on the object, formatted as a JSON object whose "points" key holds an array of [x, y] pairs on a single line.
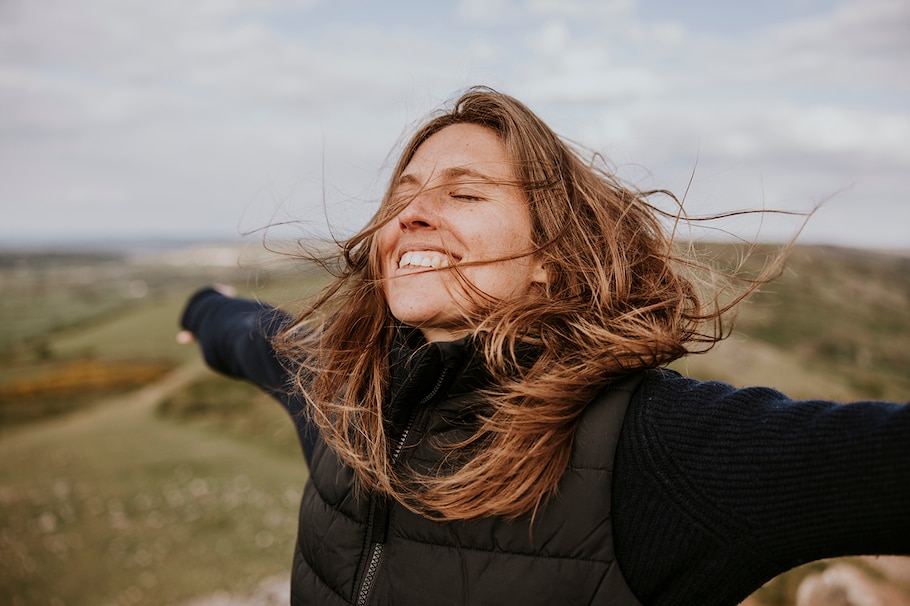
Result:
{"points": [[115, 409]]}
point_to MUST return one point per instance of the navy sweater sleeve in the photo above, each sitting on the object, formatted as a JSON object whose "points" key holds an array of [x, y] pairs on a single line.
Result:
{"points": [[719, 489], [235, 338]]}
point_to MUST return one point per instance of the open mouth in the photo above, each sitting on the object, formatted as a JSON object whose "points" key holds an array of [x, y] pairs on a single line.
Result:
{"points": [[429, 259]]}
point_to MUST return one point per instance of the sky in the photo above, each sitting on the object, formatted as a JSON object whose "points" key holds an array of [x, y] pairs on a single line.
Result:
{"points": [[128, 119]]}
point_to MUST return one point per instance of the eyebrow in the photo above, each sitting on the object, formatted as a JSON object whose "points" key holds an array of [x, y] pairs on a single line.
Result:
{"points": [[457, 172]]}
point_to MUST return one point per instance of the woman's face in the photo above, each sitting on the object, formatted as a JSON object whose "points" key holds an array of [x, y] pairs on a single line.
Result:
{"points": [[465, 207]]}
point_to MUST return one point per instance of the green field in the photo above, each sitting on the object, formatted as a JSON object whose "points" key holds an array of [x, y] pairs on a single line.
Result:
{"points": [[133, 475]]}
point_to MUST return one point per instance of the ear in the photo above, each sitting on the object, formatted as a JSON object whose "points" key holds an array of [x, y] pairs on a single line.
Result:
{"points": [[541, 275]]}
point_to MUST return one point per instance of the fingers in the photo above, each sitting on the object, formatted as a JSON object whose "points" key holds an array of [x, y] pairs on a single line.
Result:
{"points": [[226, 289], [185, 337]]}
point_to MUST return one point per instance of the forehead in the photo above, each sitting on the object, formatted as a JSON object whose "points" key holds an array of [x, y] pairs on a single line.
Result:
{"points": [[461, 149]]}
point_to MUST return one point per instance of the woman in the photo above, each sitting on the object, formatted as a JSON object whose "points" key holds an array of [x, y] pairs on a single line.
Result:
{"points": [[482, 407]]}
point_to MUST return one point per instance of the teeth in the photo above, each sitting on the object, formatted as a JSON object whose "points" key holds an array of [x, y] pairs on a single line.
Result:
{"points": [[424, 258]]}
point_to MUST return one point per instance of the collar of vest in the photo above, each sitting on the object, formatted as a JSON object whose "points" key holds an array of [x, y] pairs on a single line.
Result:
{"points": [[418, 369]]}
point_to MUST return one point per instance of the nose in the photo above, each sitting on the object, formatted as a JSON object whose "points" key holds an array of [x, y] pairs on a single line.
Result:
{"points": [[421, 213]]}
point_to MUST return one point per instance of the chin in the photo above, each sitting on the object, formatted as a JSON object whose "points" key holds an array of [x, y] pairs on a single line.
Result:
{"points": [[413, 317]]}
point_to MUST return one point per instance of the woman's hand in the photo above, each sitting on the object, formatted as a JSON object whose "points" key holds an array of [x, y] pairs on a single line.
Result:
{"points": [[185, 337]]}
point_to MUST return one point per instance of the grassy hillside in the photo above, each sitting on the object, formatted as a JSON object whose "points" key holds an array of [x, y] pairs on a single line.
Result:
{"points": [[835, 324], [133, 475], [115, 489]]}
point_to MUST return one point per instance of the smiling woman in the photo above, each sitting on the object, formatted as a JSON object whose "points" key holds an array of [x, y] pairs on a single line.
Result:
{"points": [[482, 399], [463, 212]]}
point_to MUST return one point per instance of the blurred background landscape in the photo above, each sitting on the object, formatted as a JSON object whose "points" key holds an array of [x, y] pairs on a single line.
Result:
{"points": [[133, 475], [140, 140]]}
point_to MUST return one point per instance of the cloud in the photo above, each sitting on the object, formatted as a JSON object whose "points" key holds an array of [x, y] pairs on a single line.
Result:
{"points": [[581, 9], [821, 85], [221, 115], [146, 115], [859, 43]]}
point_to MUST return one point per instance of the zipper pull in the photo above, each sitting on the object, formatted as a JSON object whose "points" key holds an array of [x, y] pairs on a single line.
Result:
{"points": [[380, 531]]}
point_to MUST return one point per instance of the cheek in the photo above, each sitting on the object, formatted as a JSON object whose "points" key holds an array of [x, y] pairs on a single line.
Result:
{"points": [[384, 235], [513, 276], [507, 238], [385, 244]]}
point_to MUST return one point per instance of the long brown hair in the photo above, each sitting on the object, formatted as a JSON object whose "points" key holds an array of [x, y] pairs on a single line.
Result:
{"points": [[619, 299]]}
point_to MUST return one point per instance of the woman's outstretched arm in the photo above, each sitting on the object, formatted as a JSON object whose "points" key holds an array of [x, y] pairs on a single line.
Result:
{"points": [[235, 337]]}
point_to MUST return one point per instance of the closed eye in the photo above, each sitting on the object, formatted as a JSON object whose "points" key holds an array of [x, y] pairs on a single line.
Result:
{"points": [[466, 196]]}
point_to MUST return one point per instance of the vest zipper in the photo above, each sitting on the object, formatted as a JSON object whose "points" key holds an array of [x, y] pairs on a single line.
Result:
{"points": [[379, 514], [370, 574]]}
